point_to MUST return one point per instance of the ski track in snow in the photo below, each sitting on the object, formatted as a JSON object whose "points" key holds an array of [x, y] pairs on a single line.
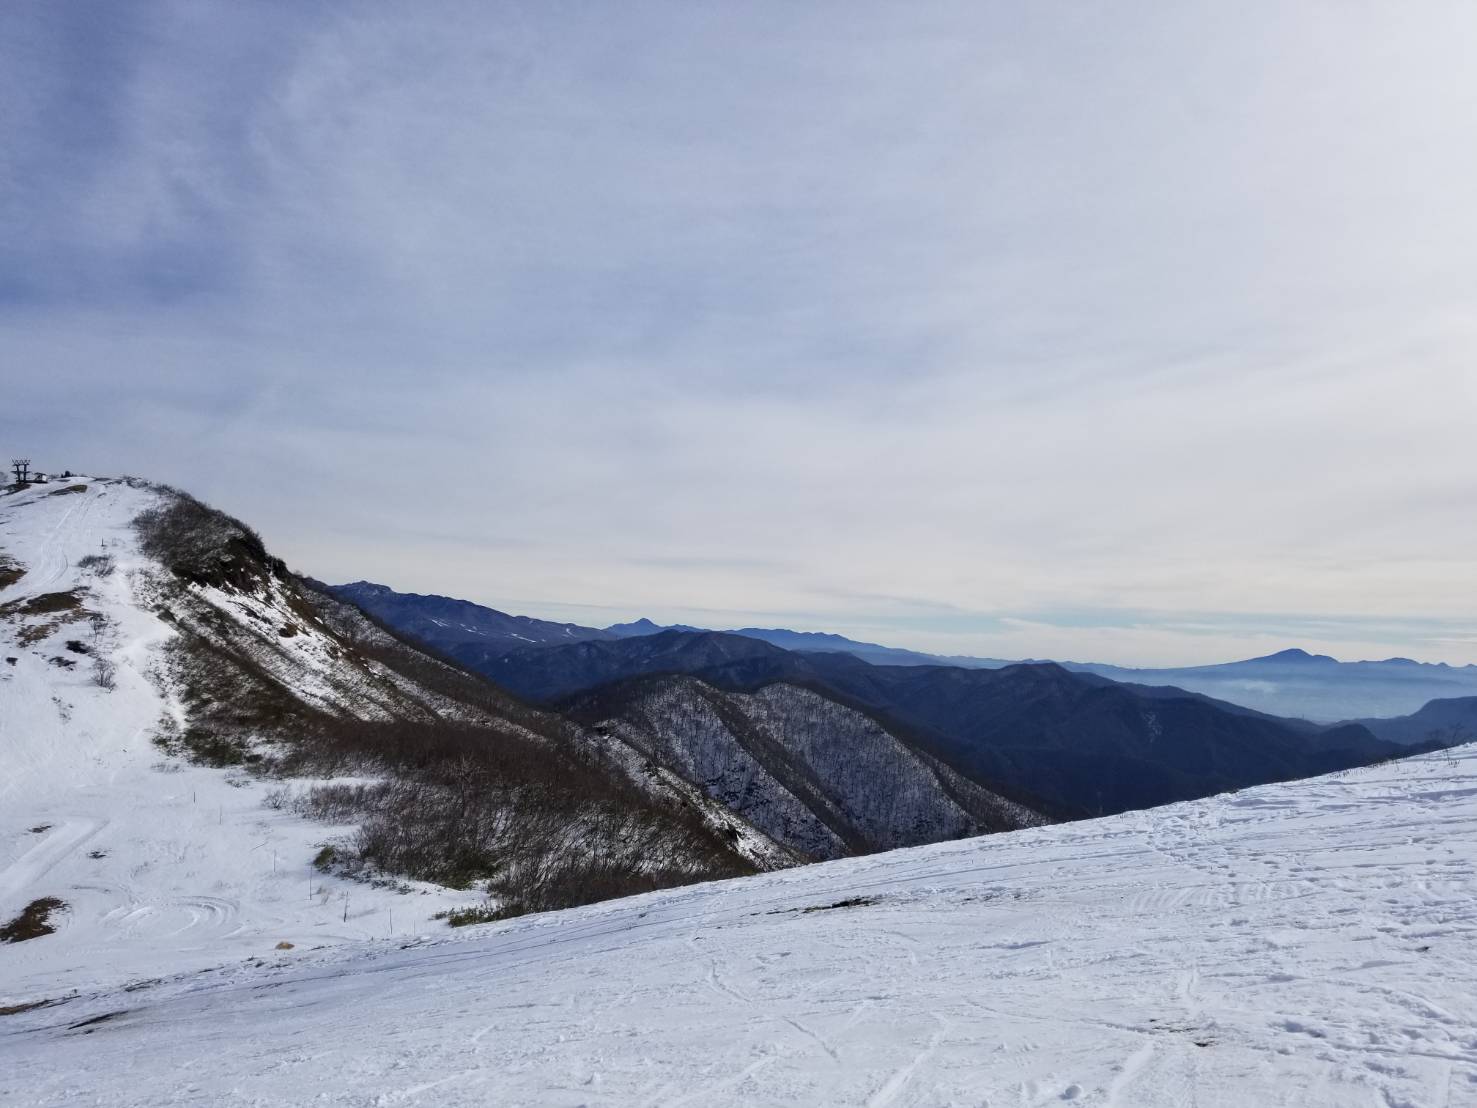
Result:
{"points": [[55, 844], [1306, 944]]}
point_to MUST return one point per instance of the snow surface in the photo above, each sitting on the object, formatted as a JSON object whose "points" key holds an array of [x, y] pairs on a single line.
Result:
{"points": [[1308, 944], [163, 866]]}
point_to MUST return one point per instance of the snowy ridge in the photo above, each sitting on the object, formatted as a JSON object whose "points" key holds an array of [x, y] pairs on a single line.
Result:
{"points": [[161, 864], [1311, 943]]}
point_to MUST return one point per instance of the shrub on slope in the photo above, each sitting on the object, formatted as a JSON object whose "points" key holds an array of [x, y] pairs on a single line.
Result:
{"points": [[204, 545]]}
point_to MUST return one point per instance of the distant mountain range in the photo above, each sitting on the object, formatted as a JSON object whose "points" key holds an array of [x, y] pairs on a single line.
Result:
{"points": [[445, 622], [1291, 683], [640, 627], [1074, 743], [473, 633], [1067, 742], [1314, 686], [813, 777]]}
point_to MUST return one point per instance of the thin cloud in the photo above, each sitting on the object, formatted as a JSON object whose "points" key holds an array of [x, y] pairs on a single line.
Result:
{"points": [[910, 319]]}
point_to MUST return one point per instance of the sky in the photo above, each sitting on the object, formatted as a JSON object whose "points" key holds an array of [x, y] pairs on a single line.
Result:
{"points": [[1139, 333]]}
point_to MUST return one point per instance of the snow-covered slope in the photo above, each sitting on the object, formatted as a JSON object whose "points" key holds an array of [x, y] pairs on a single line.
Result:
{"points": [[118, 675], [161, 864], [1303, 944]]}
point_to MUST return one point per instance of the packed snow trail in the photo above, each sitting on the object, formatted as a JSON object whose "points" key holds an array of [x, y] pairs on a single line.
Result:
{"points": [[1305, 944]]}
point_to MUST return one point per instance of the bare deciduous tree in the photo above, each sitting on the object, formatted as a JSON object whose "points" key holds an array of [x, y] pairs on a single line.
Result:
{"points": [[104, 673]]}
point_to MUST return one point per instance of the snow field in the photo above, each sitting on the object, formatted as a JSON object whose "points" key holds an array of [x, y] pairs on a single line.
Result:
{"points": [[1305, 944]]}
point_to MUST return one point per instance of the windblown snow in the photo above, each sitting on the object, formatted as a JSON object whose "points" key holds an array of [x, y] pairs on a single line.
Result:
{"points": [[1308, 944]]}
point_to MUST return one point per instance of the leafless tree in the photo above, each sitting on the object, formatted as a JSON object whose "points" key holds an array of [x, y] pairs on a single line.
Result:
{"points": [[104, 673]]}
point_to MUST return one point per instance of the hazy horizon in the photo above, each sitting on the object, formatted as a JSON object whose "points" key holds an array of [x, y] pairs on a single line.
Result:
{"points": [[1126, 335], [600, 620]]}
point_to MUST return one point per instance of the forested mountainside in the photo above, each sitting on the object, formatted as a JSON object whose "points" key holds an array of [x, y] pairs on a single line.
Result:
{"points": [[1076, 744], [1440, 723], [812, 774]]}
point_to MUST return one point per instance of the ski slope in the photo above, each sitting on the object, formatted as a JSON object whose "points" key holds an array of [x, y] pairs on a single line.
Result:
{"points": [[163, 865], [1302, 944]]}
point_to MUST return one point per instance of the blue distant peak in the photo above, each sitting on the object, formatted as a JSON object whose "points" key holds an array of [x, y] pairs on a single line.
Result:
{"points": [[1294, 654]]}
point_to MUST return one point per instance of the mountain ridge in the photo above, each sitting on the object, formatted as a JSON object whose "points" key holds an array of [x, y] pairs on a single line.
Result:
{"points": [[1125, 772], [1291, 683], [1077, 742]]}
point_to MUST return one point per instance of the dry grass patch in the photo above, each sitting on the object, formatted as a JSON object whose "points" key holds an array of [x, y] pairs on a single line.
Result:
{"points": [[54, 610], [33, 922], [45, 604], [11, 571], [849, 902], [30, 1006]]}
